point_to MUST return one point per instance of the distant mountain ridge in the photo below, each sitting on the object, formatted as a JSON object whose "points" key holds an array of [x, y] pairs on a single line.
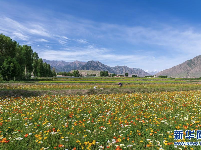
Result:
{"points": [[152, 72], [62, 66], [96, 65], [188, 69]]}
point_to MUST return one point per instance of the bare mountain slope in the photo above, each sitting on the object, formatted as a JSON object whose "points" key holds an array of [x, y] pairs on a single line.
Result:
{"points": [[62, 66], [188, 69]]}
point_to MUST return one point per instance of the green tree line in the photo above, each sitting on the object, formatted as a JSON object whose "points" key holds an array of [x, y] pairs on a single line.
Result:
{"points": [[103, 73], [20, 62], [75, 73]]}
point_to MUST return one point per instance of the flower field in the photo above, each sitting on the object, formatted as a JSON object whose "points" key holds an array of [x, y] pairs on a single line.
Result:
{"points": [[128, 85], [102, 121]]}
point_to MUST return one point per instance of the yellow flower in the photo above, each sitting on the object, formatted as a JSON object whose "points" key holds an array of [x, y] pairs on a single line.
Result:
{"points": [[77, 141], [39, 138], [94, 142], [119, 139], [165, 142]]}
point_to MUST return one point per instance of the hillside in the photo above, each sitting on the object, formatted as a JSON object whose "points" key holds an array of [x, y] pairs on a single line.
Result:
{"points": [[188, 69], [96, 65], [130, 71], [62, 66]]}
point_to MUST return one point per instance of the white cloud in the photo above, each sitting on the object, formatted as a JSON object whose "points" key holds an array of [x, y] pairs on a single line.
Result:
{"points": [[65, 37], [17, 35], [62, 42], [183, 39], [61, 39], [42, 40], [38, 32], [82, 41], [22, 30], [92, 53], [171, 39]]}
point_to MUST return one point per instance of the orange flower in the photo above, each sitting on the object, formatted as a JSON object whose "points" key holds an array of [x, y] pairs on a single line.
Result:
{"points": [[185, 127], [4, 140], [149, 145], [118, 148], [60, 145], [26, 135], [169, 143]]}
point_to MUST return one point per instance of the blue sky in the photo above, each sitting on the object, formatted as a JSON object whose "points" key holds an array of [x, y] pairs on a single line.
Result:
{"points": [[147, 34]]}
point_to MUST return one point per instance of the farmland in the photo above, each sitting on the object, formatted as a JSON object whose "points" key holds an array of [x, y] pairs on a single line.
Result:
{"points": [[70, 114]]}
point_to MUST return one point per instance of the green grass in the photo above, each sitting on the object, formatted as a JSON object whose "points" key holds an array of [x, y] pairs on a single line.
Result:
{"points": [[115, 81]]}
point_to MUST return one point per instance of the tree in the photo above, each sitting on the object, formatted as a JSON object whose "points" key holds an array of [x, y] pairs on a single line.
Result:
{"points": [[69, 74], [27, 57], [106, 73], [103, 73], [113, 75], [45, 72], [7, 46], [162, 76], [10, 69], [18, 62], [126, 74], [40, 68], [134, 75], [76, 73], [50, 73], [35, 64], [54, 74]]}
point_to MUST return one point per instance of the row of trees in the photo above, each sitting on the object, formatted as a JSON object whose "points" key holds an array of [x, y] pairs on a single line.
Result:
{"points": [[19, 62], [75, 73], [106, 74], [103, 73]]}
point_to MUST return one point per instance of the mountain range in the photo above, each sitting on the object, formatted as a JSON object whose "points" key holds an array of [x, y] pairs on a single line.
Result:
{"points": [[62, 66], [188, 69]]}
